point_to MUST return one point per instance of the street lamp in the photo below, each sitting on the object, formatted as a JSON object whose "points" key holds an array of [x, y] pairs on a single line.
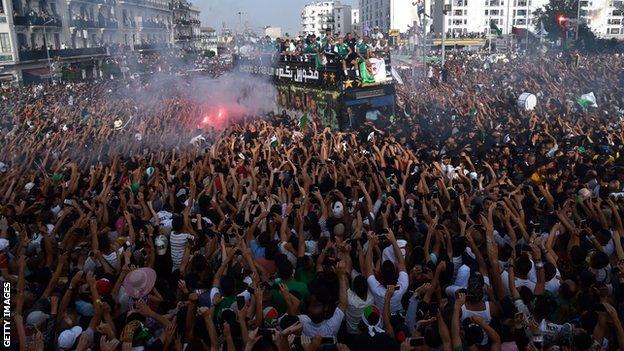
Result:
{"points": [[445, 10], [45, 42]]}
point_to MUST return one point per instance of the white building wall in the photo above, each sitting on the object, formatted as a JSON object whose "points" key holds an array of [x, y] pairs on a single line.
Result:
{"points": [[342, 17], [315, 17], [472, 16], [604, 17], [388, 14], [355, 21]]}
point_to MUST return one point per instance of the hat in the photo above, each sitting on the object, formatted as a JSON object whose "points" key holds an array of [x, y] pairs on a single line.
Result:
{"points": [[3, 167], [68, 337], [4, 243], [161, 243], [181, 192], [29, 186], [369, 314], [584, 194], [35, 318], [117, 124], [270, 317], [139, 282], [338, 209], [84, 308], [56, 177], [103, 286]]}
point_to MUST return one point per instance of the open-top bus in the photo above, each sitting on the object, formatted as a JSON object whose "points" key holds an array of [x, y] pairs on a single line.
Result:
{"points": [[323, 91]]}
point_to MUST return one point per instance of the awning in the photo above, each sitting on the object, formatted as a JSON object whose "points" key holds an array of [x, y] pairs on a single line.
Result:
{"points": [[43, 72]]}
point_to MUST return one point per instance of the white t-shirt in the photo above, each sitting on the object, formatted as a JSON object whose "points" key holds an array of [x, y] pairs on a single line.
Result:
{"points": [[178, 244], [379, 292], [327, 328], [355, 305], [388, 252]]}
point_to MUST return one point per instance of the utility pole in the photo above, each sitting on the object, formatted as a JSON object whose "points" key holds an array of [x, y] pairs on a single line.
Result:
{"points": [[45, 41], [578, 18], [527, 27], [445, 9]]}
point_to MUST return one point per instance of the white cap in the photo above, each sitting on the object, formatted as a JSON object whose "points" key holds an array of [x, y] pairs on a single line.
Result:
{"points": [[161, 243], [338, 209], [68, 337], [29, 186]]}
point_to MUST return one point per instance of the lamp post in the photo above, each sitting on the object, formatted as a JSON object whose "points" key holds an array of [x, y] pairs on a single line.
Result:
{"points": [[578, 18], [527, 28], [45, 42], [445, 9]]}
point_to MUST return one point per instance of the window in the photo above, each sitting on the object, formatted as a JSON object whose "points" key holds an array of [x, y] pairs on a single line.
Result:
{"points": [[5, 44]]}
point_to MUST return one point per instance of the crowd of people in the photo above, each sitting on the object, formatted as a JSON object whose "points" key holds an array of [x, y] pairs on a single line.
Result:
{"points": [[464, 224]]}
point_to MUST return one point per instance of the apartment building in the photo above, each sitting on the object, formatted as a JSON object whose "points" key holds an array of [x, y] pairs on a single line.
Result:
{"points": [[355, 21], [186, 25], [471, 16], [388, 14], [321, 15], [39, 36], [604, 17]]}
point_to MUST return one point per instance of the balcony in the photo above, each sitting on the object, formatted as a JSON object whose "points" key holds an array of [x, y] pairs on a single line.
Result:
{"points": [[35, 20], [98, 2], [33, 55], [146, 3], [153, 24], [101, 23], [187, 22], [150, 47]]}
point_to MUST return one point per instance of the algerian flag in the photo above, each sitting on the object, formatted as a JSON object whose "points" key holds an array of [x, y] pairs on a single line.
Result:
{"points": [[274, 141], [587, 100], [495, 28], [303, 121], [396, 76]]}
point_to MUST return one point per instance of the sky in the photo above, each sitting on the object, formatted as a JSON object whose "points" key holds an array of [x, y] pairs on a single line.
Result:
{"points": [[257, 13]]}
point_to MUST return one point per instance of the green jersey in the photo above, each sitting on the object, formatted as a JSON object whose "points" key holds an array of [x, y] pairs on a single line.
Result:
{"points": [[342, 49], [311, 48], [362, 48]]}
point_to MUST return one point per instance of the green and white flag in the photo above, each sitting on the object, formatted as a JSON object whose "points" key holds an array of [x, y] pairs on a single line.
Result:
{"points": [[494, 28], [303, 121], [587, 100]]}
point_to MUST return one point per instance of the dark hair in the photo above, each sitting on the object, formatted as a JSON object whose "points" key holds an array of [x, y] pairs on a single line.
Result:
{"points": [[284, 269], [523, 265], [388, 272], [360, 286], [177, 223]]}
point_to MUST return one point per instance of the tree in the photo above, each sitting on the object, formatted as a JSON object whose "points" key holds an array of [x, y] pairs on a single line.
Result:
{"points": [[549, 15]]}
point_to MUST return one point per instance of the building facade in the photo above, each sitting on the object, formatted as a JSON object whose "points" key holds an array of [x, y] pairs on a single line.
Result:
{"points": [[322, 15], [388, 15], [186, 24], [355, 21], [464, 17], [472, 17], [342, 19], [604, 17], [37, 37], [209, 40]]}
